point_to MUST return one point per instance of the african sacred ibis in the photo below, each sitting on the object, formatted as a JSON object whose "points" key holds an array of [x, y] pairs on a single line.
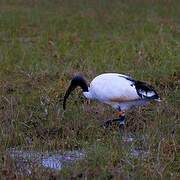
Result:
{"points": [[117, 90]]}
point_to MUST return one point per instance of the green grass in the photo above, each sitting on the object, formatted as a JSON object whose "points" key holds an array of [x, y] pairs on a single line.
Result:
{"points": [[44, 43]]}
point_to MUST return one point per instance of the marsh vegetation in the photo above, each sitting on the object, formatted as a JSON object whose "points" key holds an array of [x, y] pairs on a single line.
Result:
{"points": [[44, 43]]}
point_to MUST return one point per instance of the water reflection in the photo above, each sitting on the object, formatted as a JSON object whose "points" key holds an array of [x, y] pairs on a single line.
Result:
{"points": [[26, 161]]}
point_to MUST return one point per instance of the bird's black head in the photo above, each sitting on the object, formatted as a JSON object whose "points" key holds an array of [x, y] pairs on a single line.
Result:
{"points": [[75, 82]]}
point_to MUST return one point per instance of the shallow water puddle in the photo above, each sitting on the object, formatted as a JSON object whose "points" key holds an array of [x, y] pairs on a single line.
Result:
{"points": [[25, 161]]}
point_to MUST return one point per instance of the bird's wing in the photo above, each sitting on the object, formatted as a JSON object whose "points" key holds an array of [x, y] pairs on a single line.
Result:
{"points": [[145, 90]]}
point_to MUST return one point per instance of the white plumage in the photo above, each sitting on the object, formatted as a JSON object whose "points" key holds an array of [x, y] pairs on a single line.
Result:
{"points": [[120, 91]]}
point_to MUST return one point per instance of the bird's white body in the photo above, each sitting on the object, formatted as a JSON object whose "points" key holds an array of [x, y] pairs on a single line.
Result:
{"points": [[116, 90]]}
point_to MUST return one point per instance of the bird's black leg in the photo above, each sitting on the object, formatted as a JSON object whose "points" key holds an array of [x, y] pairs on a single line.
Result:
{"points": [[119, 121]]}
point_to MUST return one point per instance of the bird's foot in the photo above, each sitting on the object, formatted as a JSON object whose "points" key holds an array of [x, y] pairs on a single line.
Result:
{"points": [[119, 121]]}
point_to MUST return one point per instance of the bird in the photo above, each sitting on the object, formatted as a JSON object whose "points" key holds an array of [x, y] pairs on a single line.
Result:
{"points": [[121, 92]]}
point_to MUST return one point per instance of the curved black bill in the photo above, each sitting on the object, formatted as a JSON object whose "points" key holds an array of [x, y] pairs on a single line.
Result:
{"points": [[68, 92]]}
